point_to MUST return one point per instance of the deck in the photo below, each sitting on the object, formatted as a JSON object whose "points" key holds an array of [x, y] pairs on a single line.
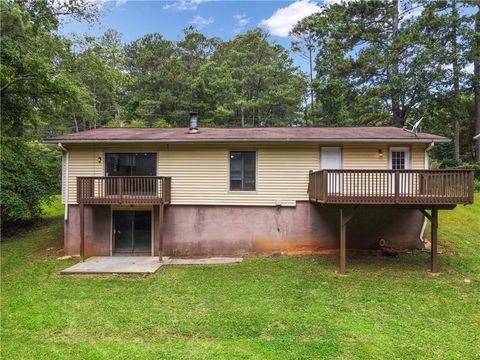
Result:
{"points": [[123, 190], [392, 187], [421, 189]]}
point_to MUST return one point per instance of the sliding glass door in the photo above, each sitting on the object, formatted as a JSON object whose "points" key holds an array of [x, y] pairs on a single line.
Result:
{"points": [[132, 231], [131, 164], [127, 165]]}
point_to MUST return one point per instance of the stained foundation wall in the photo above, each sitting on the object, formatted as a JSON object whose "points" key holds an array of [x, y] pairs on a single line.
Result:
{"points": [[232, 230], [97, 230]]}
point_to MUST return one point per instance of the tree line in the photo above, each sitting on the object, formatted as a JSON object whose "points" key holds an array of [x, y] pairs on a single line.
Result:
{"points": [[396, 62], [388, 62], [56, 84]]}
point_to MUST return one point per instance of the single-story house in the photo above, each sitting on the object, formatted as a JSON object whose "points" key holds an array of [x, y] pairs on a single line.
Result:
{"points": [[226, 191]]}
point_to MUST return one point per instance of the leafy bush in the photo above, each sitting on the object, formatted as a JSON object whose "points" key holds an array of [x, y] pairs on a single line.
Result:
{"points": [[474, 166], [113, 123], [136, 123], [30, 175], [161, 123]]}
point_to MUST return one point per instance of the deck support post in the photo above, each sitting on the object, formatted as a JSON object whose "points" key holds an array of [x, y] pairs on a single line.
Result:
{"points": [[344, 219], [82, 232], [161, 215], [433, 218], [433, 248], [343, 243]]}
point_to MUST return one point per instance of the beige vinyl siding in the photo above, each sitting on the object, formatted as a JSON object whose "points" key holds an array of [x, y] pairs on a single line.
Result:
{"points": [[200, 172], [83, 161], [365, 156], [417, 155], [362, 156]]}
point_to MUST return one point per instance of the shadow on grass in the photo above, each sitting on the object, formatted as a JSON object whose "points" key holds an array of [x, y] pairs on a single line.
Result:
{"points": [[417, 261]]}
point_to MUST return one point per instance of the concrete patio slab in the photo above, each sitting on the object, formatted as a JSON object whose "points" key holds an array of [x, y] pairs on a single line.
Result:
{"points": [[115, 265], [206, 261], [137, 264]]}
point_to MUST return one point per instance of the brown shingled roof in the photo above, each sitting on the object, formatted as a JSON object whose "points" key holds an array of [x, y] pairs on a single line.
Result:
{"points": [[274, 134]]}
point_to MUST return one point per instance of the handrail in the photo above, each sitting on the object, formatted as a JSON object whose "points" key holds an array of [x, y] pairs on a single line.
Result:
{"points": [[392, 171], [101, 190], [423, 187]]}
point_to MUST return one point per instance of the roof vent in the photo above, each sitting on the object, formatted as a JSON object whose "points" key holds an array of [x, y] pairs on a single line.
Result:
{"points": [[193, 123]]}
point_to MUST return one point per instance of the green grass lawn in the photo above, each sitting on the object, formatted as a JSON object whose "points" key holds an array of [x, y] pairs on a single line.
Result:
{"points": [[264, 308]]}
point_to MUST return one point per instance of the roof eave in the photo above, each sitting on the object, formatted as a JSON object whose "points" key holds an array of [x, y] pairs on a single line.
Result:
{"points": [[183, 141]]}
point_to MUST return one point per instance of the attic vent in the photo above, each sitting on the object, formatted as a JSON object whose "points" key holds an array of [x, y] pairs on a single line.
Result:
{"points": [[193, 123]]}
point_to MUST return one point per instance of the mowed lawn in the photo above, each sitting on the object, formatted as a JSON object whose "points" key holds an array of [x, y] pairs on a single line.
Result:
{"points": [[264, 308]]}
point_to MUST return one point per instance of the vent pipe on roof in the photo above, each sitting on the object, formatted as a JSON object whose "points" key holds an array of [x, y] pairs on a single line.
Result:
{"points": [[193, 123]]}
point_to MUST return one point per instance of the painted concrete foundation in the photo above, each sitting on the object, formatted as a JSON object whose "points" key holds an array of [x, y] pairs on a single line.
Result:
{"points": [[97, 230], [236, 230]]}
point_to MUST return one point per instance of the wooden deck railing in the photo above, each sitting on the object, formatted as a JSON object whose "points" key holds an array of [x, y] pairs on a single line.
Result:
{"points": [[414, 187], [104, 190]]}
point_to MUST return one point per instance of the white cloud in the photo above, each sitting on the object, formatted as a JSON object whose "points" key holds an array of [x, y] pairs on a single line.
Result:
{"points": [[184, 5], [62, 3], [242, 19], [332, 2], [469, 68], [201, 22], [120, 3], [284, 19], [412, 12]]}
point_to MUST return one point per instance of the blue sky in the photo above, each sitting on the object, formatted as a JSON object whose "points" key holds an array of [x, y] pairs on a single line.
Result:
{"points": [[224, 19]]}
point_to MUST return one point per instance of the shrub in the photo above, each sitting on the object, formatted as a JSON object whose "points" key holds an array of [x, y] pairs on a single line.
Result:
{"points": [[113, 123], [161, 123], [475, 167], [30, 175], [136, 123]]}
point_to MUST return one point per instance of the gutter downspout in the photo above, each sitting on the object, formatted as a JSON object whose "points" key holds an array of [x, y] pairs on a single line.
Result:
{"points": [[427, 158], [67, 156], [426, 166]]}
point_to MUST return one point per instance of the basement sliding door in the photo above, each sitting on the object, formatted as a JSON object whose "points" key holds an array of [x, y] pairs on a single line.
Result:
{"points": [[132, 231]]}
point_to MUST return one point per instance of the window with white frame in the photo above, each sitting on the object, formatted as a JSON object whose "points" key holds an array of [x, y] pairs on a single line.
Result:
{"points": [[242, 170]]}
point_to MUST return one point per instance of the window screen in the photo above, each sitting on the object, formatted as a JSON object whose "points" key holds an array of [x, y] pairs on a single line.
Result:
{"points": [[242, 170], [131, 164]]}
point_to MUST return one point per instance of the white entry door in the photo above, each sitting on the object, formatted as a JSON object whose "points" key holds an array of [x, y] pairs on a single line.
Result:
{"points": [[331, 158], [399, 159]]}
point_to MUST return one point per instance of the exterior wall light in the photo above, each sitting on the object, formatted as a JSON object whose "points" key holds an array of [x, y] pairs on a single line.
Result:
{"points": [[380, 153]]}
